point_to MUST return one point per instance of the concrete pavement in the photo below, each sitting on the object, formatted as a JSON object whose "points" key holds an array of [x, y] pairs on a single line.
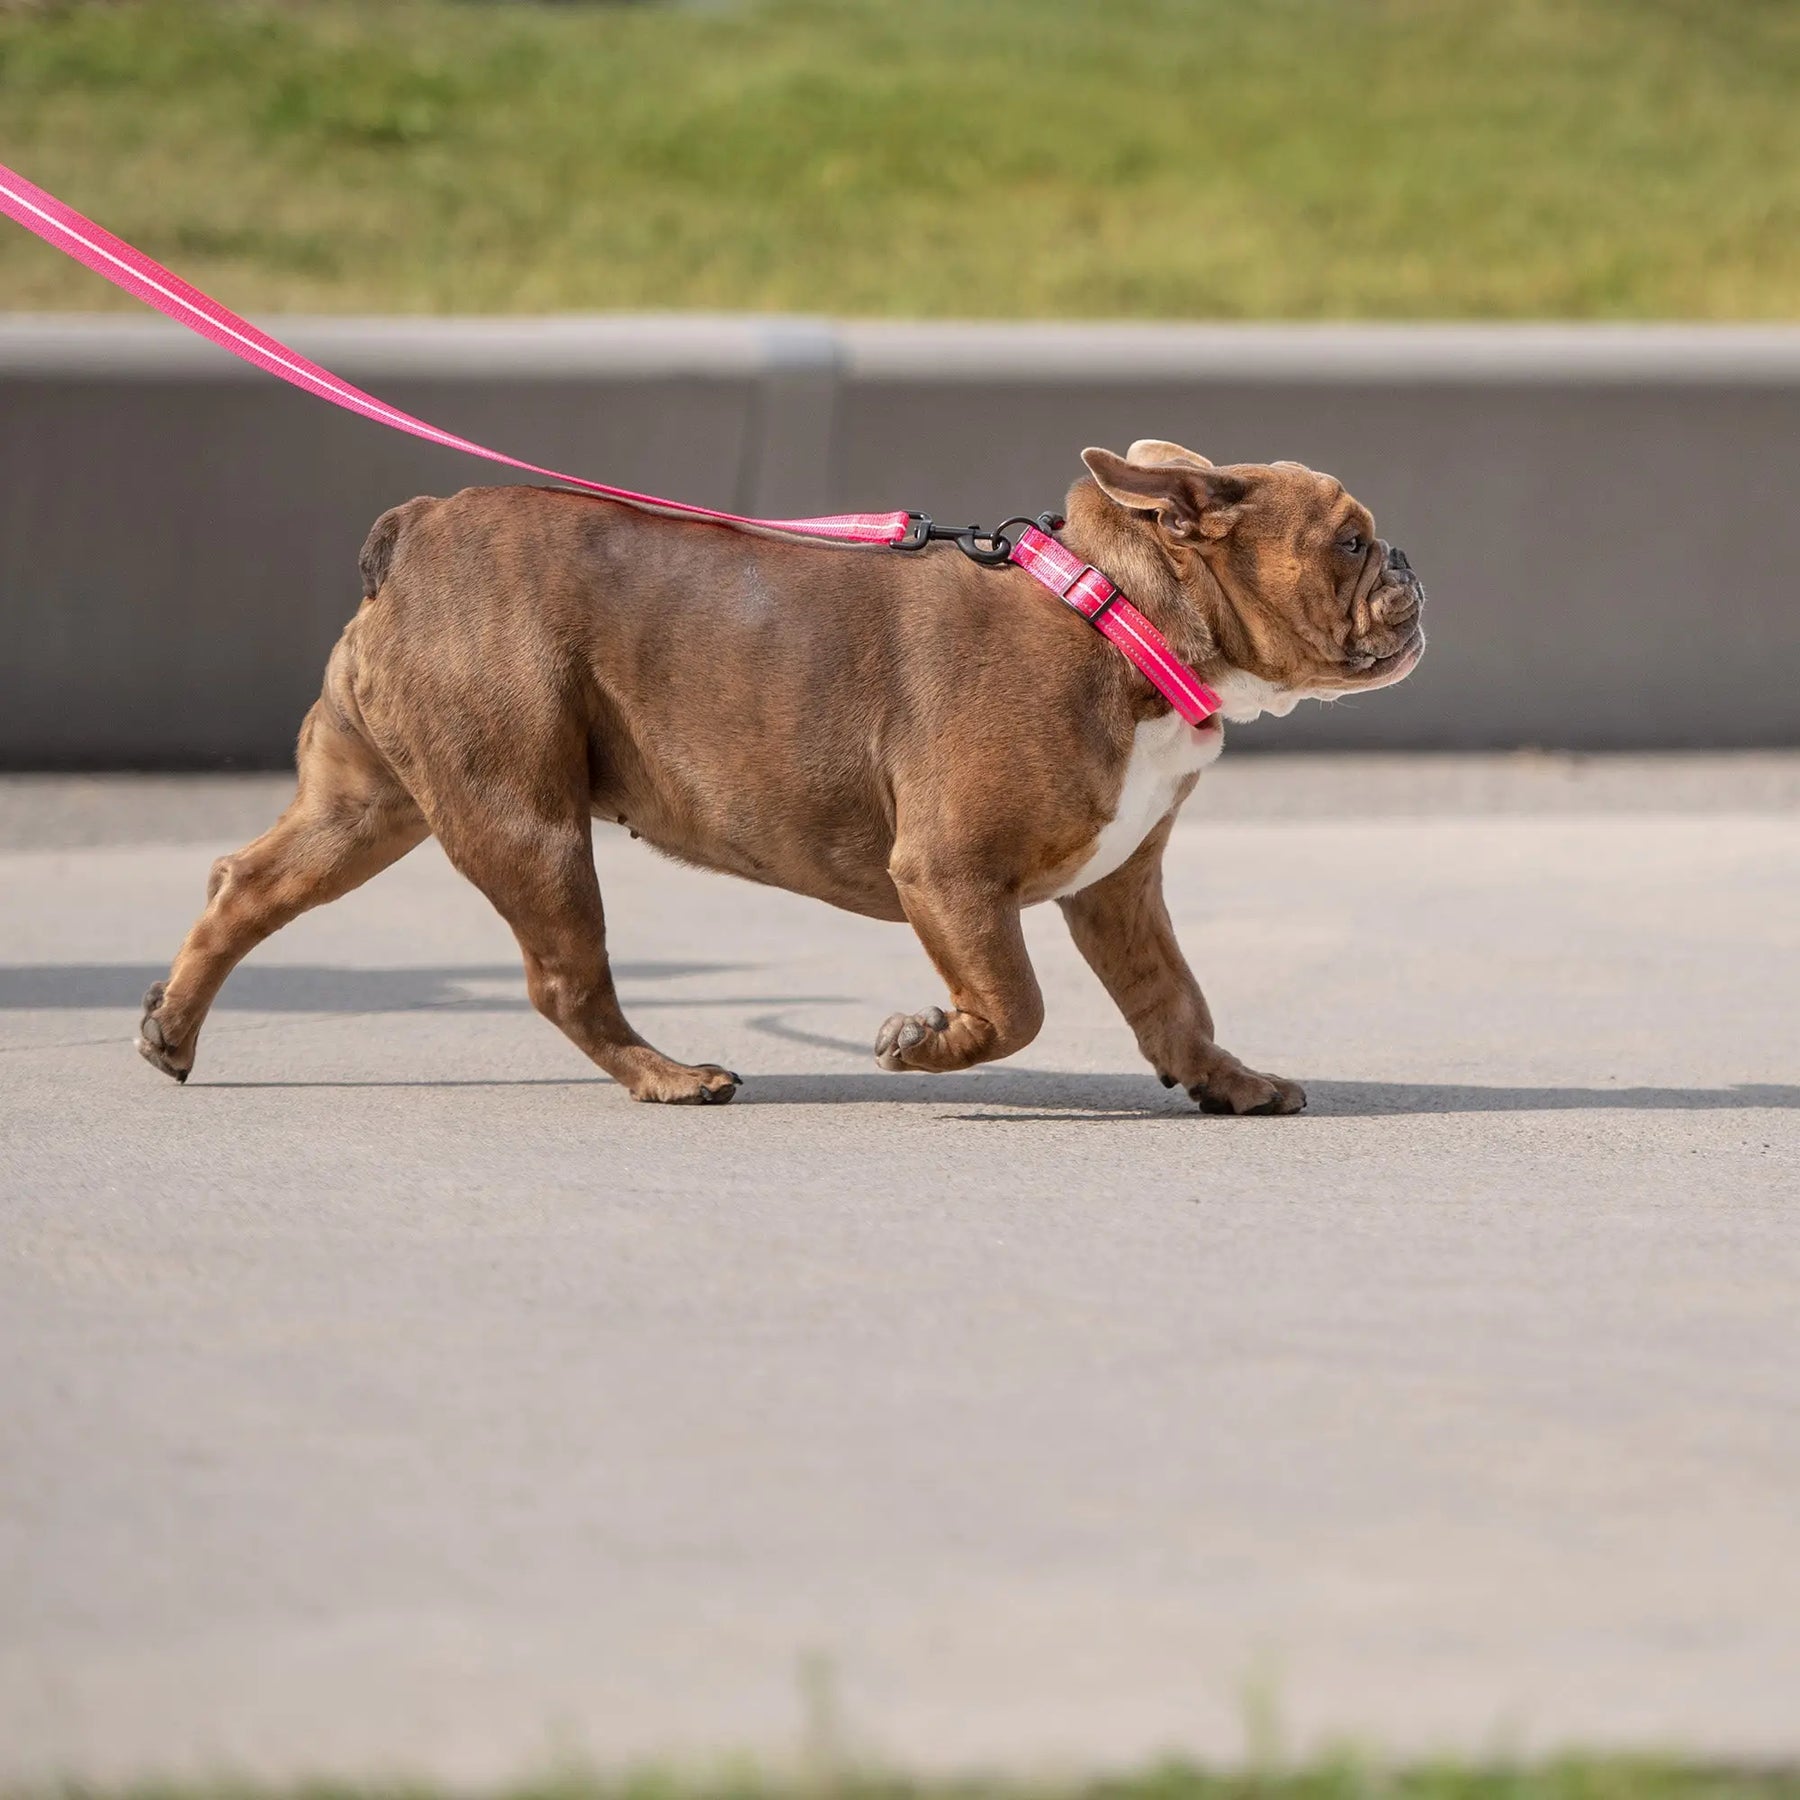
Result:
{"points": [[399, 1396]]}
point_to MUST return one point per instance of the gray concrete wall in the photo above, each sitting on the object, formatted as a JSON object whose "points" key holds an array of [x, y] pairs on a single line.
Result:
{"points": [[1602, 515]]}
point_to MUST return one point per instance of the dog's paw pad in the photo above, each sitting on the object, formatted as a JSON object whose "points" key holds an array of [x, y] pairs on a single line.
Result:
{"points": [[153, 1041], [902, 1033]]}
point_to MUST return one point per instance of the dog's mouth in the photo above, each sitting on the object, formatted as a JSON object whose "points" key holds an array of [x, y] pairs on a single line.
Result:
{"points": [[1402, 661], [1372, 670], [1387, 638], [1384, 671]]}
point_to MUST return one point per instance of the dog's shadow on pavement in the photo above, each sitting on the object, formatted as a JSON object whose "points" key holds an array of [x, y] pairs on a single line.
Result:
{"points": [[1001, 1095], [1050, 1096], [317, 988], [1375, 1099]]}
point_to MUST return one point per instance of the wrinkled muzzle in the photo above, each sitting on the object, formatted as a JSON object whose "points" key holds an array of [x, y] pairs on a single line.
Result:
{"points": [[1389, 633]]}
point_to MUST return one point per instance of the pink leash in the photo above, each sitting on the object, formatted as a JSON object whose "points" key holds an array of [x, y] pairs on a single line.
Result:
{"points": [[1079, 585]]}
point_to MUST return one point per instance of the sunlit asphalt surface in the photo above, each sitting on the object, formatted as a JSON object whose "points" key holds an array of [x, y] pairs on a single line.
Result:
{"points": [[400, 1396]]}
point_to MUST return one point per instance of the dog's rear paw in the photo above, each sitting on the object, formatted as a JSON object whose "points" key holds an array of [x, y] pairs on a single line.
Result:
{"points": [[674, 1085], [901, 1034], [1240, 1090], [153, 1043]]}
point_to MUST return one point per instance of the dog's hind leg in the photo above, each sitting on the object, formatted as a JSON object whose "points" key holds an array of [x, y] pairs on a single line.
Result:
{"points": [[350, 818], [534, 859]]}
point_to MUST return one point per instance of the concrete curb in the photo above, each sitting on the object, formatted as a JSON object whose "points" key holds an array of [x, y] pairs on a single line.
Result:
{"points": [[1601, 513]]}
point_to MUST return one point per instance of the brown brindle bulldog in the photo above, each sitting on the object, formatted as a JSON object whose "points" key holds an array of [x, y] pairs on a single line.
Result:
{"points": [[909, 737]]}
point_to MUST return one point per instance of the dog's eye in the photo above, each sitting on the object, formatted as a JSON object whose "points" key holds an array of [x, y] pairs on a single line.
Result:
{"points": [[1353, 545]]}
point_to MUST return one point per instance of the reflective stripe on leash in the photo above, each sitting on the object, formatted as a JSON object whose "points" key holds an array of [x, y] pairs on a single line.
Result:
{"points": [[147, 280]]}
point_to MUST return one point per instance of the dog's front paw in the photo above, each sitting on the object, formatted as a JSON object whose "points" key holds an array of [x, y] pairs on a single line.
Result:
{"points": [[154, 1044], [1240, 1090], [904, 1039], [673, 1084]]}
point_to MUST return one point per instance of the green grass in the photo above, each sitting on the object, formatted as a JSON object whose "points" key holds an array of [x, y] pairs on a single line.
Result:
{"points": [[963, 158], [1573, 1778]]}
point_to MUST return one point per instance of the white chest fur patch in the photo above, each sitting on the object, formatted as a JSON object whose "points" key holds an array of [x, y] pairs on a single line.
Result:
{"points": [[1246, 697], [1164, 753]]}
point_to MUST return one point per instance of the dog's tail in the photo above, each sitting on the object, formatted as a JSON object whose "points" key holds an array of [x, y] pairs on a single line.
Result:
{"points": [[384, 537]]}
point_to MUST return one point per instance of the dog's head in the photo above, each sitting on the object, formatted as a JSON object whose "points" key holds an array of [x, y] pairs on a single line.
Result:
{"points": [[1300, 597]]}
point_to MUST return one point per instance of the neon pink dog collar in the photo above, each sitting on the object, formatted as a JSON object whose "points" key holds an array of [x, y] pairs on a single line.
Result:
{"points": [[1103, 604], [1074, 582]]}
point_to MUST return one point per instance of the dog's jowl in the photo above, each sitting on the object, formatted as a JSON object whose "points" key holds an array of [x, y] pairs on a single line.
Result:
{"points": [[915, 738]]}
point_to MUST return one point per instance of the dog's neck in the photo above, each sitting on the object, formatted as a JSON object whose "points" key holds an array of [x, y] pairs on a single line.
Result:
{"points": [[1123, 547]]}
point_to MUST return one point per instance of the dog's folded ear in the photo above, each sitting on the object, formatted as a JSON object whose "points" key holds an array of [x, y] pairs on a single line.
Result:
{"points": [[1160, 450], [1188, 497]]}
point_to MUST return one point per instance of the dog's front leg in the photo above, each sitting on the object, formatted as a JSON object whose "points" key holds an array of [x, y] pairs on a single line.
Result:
{"points": [[970, 930], [1121, 925]]}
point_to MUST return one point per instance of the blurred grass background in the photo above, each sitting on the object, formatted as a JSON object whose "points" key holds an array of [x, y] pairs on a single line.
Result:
{"points": [[1174, 159]]}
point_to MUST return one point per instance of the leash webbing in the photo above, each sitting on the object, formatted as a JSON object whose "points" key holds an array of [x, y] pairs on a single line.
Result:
{"points": [[147, 280]]}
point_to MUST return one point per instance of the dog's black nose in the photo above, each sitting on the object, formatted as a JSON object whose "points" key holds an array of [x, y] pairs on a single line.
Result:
{"points": [[1397, 560]]}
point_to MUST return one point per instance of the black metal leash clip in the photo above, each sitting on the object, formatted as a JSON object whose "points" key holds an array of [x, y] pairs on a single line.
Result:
{"points": [[989, 548]]}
